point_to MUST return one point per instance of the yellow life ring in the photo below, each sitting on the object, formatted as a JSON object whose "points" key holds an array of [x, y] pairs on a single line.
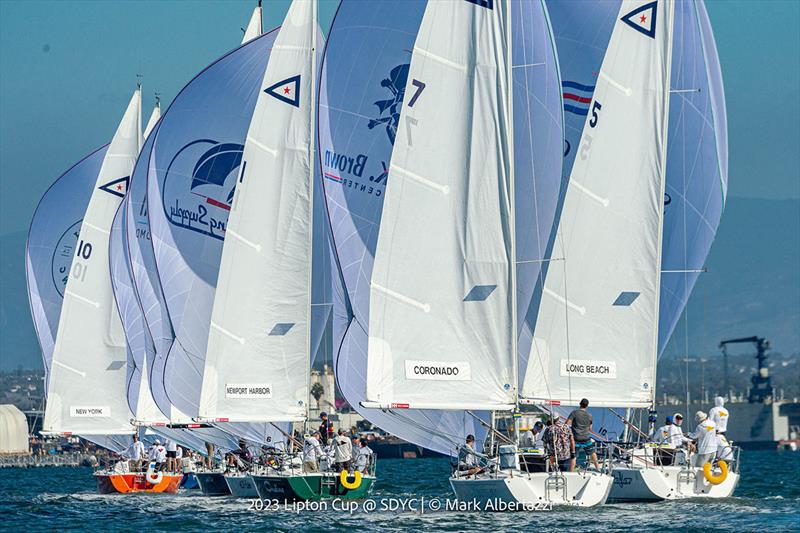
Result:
{"points": [[356, 481], [711, 478]]}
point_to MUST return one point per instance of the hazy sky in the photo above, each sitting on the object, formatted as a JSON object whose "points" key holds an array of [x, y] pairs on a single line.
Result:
{"points": [[67, 70]]}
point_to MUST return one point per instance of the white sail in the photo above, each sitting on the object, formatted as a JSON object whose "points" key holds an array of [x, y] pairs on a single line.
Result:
{"points": [[258, 362], [254, 28], [597, 329], [155, 116], [441, 323], [86, 392]]}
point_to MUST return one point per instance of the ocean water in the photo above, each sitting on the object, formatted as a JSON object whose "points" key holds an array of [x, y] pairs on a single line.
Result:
{"points": [[65, 499]]}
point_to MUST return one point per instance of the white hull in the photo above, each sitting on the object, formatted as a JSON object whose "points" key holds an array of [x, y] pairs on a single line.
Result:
{"points": [[241, 486], [667, 483], [527, 491]]}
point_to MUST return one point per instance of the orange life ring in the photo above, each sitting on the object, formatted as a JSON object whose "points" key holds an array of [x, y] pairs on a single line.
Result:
{"points": [[716, 479]]}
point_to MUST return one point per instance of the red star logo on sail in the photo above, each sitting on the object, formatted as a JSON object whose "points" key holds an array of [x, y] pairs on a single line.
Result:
{"points": [[119, 187], [642, 19], [286, 90]]}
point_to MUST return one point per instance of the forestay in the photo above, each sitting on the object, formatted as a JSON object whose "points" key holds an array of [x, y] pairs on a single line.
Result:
{"points": [[258, 358], [86, 393], [597, 328], [442, 308]]}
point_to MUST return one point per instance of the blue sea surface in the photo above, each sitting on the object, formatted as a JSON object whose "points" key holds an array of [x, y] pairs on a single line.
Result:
{"points": [[65, 499]]}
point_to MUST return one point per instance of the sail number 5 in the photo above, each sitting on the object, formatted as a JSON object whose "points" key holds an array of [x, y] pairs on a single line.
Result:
{"points": [[596, 107]]}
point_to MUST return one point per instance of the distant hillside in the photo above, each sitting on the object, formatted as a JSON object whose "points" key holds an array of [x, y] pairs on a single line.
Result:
{"points": [[752, 286]]}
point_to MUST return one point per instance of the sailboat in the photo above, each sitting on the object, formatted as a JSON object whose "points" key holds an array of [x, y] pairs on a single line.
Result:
{"points": [[695, 188], [443, 331]]}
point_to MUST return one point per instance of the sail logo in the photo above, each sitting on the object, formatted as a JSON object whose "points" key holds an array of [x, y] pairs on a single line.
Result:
{"points": [[574, 368], [61, 264], [438, 370], [389, 109], [287, 91], [248, 390], [117, 187], [90, 412], [348, 171], [577, 97], [198, 186], [643, 19]]}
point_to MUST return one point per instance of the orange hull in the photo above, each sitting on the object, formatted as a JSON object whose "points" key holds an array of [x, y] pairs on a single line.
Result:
{"points": [[127, 483]]}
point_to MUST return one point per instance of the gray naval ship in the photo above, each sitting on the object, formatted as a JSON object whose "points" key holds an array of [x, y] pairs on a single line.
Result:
{"points": [[758, 421]]}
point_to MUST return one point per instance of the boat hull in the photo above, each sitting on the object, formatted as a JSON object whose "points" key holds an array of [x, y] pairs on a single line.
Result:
{"points": [[652, 484], [189, 481], [136, 482], [308, 487], [241, 486], [212, 483], [529, 491]]}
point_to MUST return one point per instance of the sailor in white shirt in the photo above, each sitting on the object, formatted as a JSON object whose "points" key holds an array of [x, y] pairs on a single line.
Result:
{"points": [[719, 415], [172, 454], [706, 435], [312, 451], [136, 453], [342, 451]]}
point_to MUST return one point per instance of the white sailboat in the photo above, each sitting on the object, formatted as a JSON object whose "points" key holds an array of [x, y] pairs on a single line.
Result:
{"points": [[442, 320]]}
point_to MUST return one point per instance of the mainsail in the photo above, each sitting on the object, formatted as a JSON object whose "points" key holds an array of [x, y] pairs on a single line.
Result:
{"points": [[86, 392], [597, 327], [258, 360], [253, 29], [442, 300], [697, 151]]}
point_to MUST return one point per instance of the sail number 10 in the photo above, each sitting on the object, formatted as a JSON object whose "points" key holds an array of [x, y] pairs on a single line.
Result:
{"points": [[83, 251]]}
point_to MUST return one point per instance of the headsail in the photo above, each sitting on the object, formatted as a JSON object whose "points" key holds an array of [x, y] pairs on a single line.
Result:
{"points": [[258, 359], [597, 327], [86, 392]]}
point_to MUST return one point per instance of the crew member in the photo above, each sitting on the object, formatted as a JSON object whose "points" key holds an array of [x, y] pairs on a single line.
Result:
{"points": [[468, 458], [136, 453], [364, 457], [719, 415], [706, 436], [312, 451], [342, 451], [241, 458], [559, 443], [172, 454], [325, 429], [581, 422]]}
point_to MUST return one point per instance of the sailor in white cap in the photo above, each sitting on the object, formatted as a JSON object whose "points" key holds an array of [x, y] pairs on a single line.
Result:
{"points": [[706, 436]]}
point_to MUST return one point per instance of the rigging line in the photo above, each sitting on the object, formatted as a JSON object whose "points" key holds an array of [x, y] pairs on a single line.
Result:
{"points": [[489, 427], [691, 270]]}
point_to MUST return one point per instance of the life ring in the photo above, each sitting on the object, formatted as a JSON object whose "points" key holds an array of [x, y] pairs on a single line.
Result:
{"points": [[153, 477], [347, 484], [711, 478]]}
